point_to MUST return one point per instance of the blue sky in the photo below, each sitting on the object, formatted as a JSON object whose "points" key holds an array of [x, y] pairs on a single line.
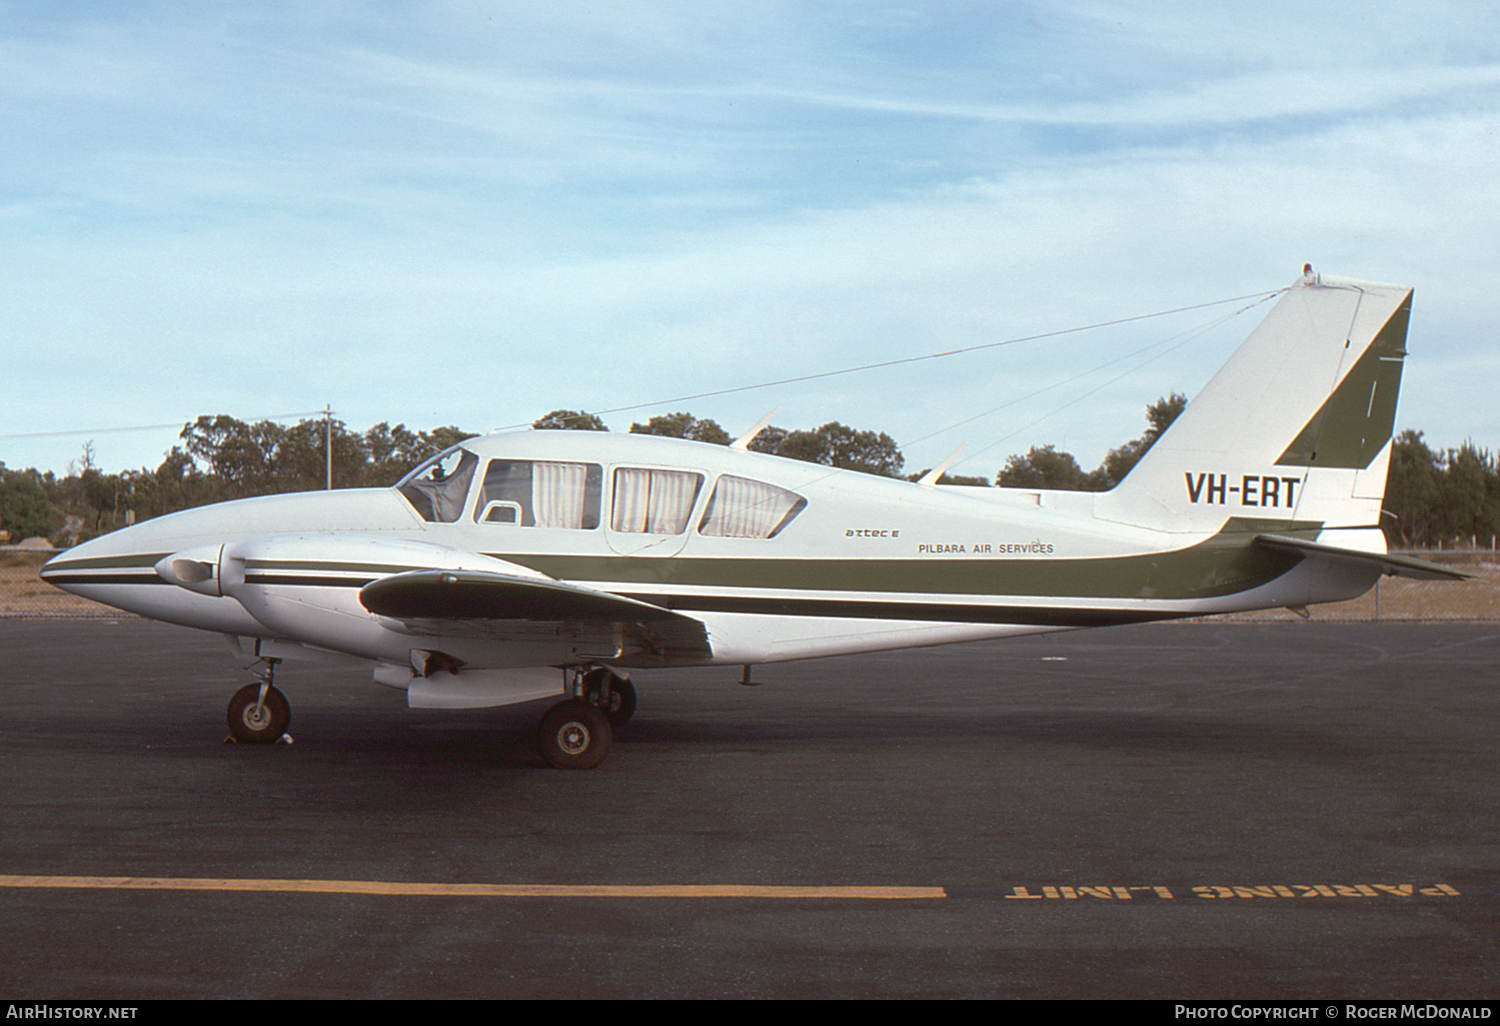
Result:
{"points": [[474, 213]]}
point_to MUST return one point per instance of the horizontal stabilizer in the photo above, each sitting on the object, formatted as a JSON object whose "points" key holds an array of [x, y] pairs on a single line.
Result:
{"points": [[1398, 566]]}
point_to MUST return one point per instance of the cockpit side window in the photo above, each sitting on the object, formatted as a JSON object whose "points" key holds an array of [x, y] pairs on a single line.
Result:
{"points": [[653, 501], [742, 508], [538, 493], [437, 489]]}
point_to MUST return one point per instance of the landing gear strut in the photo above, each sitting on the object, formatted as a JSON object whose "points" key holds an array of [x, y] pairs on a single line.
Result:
{"points": [[613, 694], [258, 713], [576, 733]]}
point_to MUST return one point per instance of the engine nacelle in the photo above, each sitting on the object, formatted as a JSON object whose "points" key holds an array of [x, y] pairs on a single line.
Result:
{"points": [[305, 587], [197, 569]]}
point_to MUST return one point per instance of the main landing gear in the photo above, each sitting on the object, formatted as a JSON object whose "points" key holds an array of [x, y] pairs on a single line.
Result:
{"points": [[258, 712], [576, 733]]}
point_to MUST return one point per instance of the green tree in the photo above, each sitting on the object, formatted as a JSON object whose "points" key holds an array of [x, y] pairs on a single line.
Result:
{"points": [[1044, 467], [569, 420], [1434, 498], [242, 456], [807, 446], [1412, 492], [954, 479], [1470, 494], [177, 483], [300, 459], [25, 509], [769, 440], [835, 445], [1159, 416], [222, 458], [870, 452], [392, 452], [439, 439], [683, 425]]}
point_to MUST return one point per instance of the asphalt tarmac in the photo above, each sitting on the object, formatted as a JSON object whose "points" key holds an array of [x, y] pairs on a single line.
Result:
{"points": [[1172, 811]]}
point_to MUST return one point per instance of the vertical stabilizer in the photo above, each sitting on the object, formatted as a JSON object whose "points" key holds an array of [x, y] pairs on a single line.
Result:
{"points": [[1295, 430]]}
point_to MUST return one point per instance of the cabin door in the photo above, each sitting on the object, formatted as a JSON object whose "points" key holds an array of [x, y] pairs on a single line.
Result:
{"points": [[651, 510]]}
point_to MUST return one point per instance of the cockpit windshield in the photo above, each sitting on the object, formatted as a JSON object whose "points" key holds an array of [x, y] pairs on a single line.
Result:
{"points": [[437, 489]]}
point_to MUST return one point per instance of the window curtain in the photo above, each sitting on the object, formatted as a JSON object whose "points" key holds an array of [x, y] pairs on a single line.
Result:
{"points": [[742, 508], [653, 501], [557, 492]]}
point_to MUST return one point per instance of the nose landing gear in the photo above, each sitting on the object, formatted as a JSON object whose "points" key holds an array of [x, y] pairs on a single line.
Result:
{"points": [[574, 735], [258, 713]]}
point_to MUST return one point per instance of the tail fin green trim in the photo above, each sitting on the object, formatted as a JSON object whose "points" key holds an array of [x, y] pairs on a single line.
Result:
{"points": [[1356, 421]]}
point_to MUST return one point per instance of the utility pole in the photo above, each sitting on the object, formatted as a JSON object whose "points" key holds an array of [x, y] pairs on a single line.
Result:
{"points": [[328, 426]]}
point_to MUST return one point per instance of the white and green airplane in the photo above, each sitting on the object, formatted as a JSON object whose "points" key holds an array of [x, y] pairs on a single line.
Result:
{"points": [[549, 563]]}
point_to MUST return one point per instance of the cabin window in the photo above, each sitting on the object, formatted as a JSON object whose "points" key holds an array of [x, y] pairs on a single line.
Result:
{"points": [[742, 508], [539, 493], [437, 489], [653, 501]]}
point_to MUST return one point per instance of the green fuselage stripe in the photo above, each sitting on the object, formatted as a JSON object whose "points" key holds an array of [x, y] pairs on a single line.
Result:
{"points": [[1223, 564]]}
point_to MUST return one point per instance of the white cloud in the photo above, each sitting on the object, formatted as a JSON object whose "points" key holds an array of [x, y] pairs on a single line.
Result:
{"points": [[417, 213]]}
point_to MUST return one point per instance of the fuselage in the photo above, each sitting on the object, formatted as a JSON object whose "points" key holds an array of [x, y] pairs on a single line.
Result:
{"points": [[779, 559]]}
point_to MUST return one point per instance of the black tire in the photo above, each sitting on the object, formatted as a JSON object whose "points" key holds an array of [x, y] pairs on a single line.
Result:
{"points": [[574, 735], [265, 729], [621, 704]]}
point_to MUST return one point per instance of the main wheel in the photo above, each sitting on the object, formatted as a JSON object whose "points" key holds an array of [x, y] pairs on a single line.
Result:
{"points": [[264, 727], [574, 735], [620, 705]]}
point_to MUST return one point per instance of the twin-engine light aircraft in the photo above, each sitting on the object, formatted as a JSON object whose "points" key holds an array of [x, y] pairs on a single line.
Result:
{"points": [[549, 563]]}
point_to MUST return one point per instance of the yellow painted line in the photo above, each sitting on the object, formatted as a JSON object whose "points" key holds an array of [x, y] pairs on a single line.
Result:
{"points": [[147, 883]]}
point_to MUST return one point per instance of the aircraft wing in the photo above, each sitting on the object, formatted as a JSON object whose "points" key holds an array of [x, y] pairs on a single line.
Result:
{"points": [[1400, 566], [478, 603]]}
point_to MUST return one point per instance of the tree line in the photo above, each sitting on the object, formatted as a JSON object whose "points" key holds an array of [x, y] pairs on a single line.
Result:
{"points": [[220, 458], [1433, 497]]}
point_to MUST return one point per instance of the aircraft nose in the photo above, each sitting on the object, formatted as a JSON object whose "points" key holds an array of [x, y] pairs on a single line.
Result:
{"points": [[111, 559], [65, 565]]}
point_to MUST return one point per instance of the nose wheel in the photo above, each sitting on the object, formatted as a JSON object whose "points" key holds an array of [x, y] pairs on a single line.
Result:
{"points": [[258, 713], [574, 735]]}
